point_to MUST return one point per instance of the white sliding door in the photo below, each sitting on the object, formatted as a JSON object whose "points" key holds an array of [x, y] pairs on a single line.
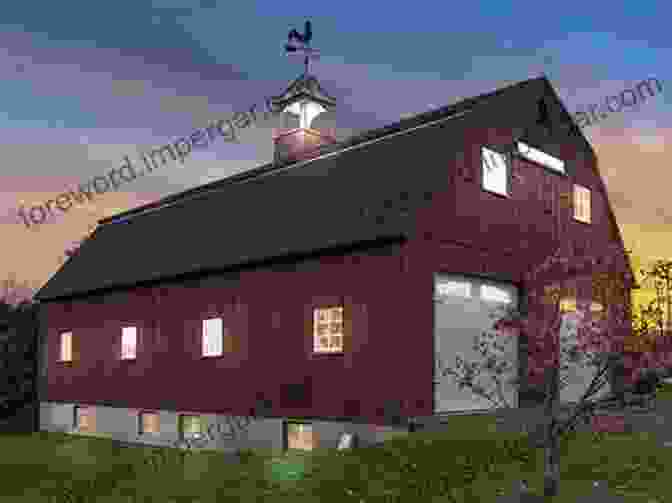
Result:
{"points": [[462, 306]]}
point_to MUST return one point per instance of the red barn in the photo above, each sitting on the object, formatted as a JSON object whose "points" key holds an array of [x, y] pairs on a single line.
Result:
{"points": [[307, 298]]}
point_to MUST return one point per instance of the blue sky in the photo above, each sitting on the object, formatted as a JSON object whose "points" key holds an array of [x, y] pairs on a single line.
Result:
{"points": [[87, 83]]}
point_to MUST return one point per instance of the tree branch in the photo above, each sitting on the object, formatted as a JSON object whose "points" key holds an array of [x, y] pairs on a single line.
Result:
{"points": [[582, 401]]}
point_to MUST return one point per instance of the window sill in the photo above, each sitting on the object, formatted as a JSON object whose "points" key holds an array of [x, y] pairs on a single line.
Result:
{"points": [[498, 194], [327, 355], [212, 357]]}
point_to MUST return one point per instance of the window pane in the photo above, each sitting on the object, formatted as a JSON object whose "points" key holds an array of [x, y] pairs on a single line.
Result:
{"points": [[85, 419], [494, 171], [212, 336], [495, 294], [191, 425], [450, 288], [568, 304], [128, 342], [540, 157], [301, 436], [582, 203], [66, 346], [327, 322], [150, 422]]}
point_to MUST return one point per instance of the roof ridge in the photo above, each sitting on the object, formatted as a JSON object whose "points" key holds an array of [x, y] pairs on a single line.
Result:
{"points": [[351, 141]]}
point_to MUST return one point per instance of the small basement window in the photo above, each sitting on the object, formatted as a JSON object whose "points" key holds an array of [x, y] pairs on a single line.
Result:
{"points": [[301, 436], [149, 422], [495, 172], [190, 426], [85, 420]]}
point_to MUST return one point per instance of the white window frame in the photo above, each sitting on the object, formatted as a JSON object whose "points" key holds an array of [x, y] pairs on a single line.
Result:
{"points": [[129, 343], [494, 172], [65, 347], [582, 206], [328, 319], [212, 337]]}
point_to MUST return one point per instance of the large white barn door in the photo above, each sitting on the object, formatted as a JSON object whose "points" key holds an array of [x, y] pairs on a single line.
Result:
{"points": [[462, 307]]}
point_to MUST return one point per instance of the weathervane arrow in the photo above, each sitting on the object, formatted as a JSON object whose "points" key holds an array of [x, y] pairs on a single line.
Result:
{"points": [[299, 44]]}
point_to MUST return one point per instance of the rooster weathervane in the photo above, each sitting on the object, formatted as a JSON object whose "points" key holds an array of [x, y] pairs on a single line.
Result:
{"points": [[299, 44]]}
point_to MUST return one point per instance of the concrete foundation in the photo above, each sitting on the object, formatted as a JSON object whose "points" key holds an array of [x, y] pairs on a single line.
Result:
{"points": [[219, 432]]}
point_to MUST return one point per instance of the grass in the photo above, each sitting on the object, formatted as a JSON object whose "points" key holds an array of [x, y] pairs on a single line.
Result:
{"points": [[469, 462]]}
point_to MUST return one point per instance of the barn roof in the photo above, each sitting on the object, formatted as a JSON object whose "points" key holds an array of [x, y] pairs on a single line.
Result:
{"points": [[333, 199]]}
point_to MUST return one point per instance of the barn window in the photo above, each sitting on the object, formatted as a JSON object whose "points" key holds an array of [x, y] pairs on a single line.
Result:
{"points": [[301, 436], [582, 204], [190, 426], [328, 329], [495, 294], [213, 337], [128, 343], [569, 305], [539, 157], [85, 420], [453, 288], [149, 422], [495, 171], [66, 347]]}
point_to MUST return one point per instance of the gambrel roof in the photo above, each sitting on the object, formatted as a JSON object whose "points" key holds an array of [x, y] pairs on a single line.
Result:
{"points": [[350, 192]]}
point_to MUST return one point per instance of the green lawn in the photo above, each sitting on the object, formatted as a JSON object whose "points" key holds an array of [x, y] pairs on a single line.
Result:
{"points": [[472, 460]]}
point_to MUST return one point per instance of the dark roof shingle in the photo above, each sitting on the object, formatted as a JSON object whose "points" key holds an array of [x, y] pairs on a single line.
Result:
{"points": [[352, 195]]}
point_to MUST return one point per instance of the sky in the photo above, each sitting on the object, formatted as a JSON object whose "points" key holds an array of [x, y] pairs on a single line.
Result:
{"points": [[85, 85]]}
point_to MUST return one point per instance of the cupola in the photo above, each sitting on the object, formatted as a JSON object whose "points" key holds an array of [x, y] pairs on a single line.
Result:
{"points": [[305, 99]]}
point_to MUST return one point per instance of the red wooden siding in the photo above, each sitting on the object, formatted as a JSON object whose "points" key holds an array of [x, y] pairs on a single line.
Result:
{"points": [[387, 299]]}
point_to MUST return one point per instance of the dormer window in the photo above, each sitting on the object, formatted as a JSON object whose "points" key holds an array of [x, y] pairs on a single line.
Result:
{"points": [[582, 204], [495, 172]]}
